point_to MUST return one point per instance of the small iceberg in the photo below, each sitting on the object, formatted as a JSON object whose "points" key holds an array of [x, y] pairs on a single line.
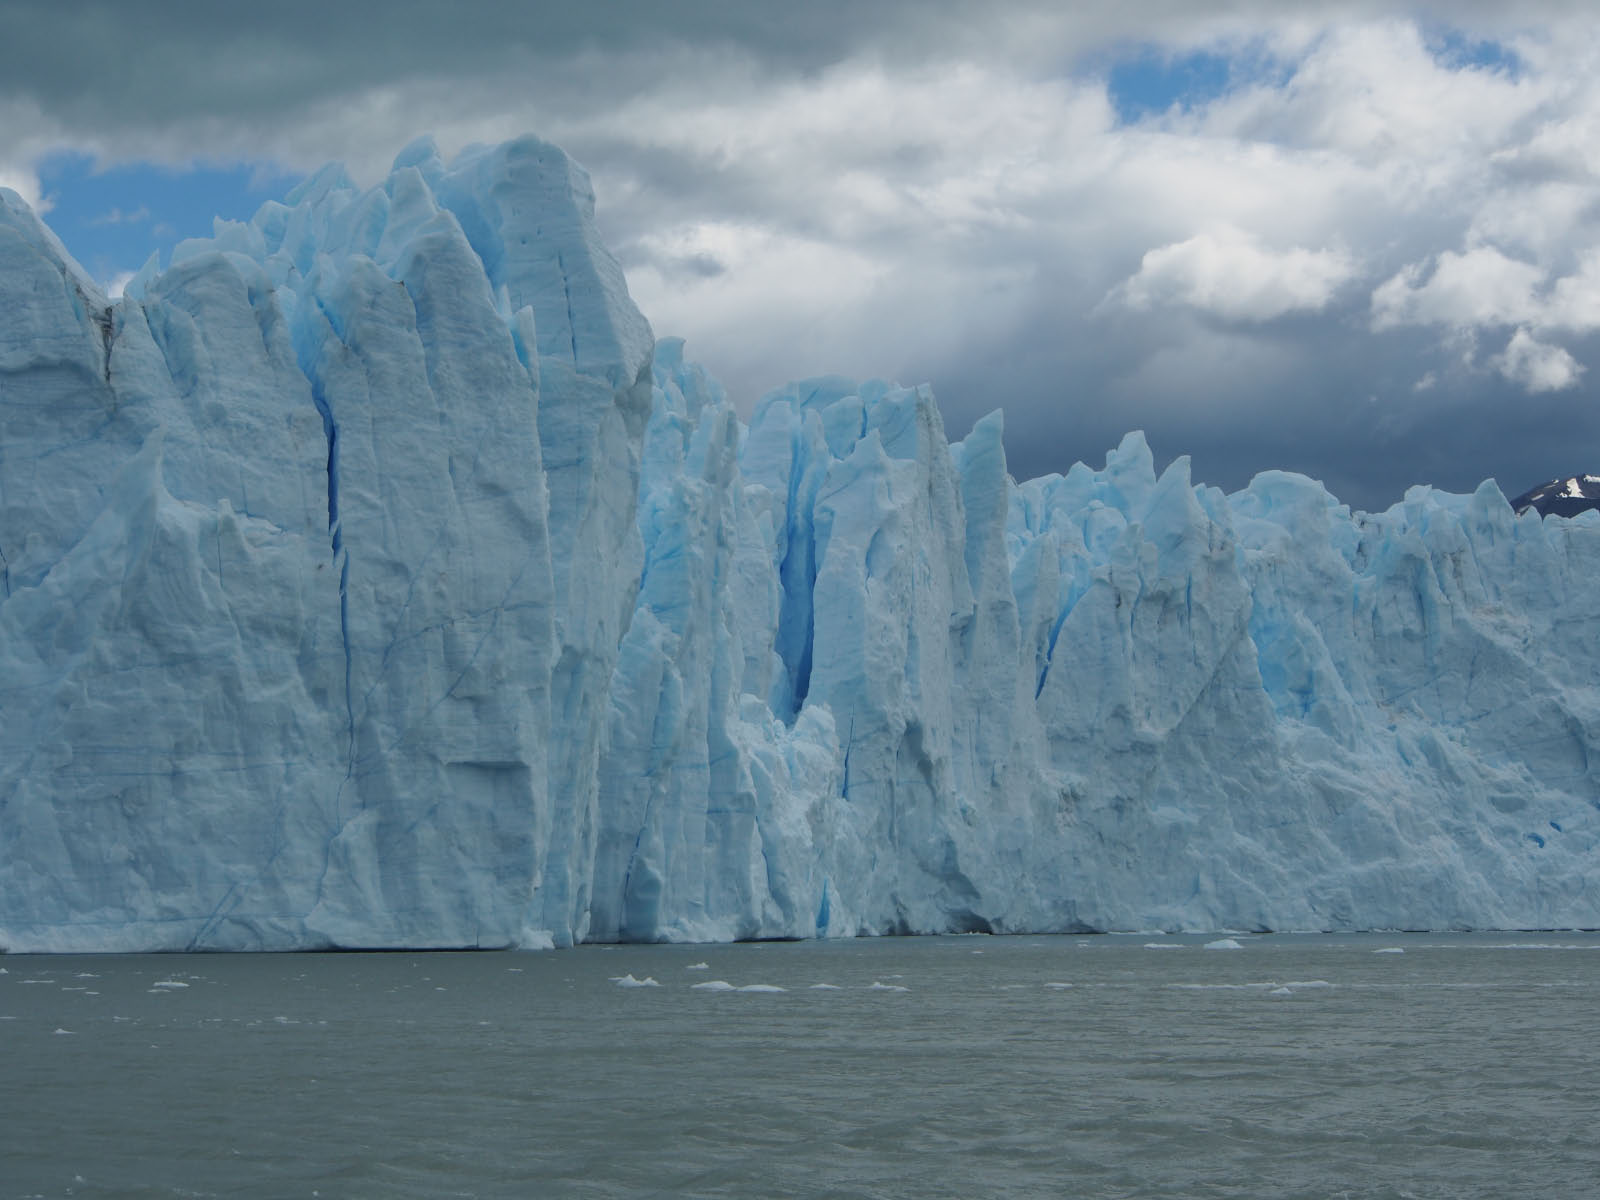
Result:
{"points": [[1280, 991], [168, 983], [699, 966], [714, 985], [826, 987], [1058, 986], [1390, 950], [762, 987], [876, 986], [1163, 945], [1218, 987], [1224, 944], [628, 981]]}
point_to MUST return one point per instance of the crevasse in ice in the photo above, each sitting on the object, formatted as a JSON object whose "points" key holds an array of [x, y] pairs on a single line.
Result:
{"points": [[370, 578]]}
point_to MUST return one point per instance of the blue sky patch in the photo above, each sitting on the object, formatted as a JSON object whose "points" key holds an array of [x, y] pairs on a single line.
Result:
{"points": [[1451, 49], [1151, 81], [112, 219]]}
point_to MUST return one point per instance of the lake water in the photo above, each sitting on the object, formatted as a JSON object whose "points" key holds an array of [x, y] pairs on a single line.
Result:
{"points": [[1314, 1066]]}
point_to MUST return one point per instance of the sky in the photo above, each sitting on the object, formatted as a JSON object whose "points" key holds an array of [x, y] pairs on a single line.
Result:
{"points": [[1357, 240]]}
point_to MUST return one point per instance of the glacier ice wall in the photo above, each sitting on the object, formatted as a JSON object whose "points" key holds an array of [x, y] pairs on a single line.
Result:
{"points": [[370, 578]]}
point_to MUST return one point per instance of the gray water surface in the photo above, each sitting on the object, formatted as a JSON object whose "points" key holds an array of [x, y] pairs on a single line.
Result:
{"points": [[1304, 1066]]}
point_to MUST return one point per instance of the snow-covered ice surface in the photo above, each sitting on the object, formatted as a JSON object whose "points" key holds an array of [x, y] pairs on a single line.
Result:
{"points": [[369, 577]]}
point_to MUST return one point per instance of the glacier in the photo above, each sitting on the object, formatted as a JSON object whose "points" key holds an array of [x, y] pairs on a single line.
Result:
{"points": [[371, 577]]}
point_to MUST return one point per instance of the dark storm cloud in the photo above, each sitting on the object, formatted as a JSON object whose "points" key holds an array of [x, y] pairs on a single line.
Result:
{"points": [[1339, 409], [120, 63], [123, 63], [942, 190]]}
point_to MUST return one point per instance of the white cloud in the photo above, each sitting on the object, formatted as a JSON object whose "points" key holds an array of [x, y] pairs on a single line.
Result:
{"points": [[1376, 92], [117, 217], [1229, 274], [25, 182], [1574, 300], [1483, 288], [27, 134], [1537, 366], [1478, 287], [115, 285]]}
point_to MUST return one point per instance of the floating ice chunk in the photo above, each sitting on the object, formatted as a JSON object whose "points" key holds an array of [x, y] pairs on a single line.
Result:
{"points": [[826, 987], [714, 985], [628, 981], [1220, 987], [1280, 991], [762, 987], [1224, 944], [1163, 945], [66, 1031], [536, 939], [1058, 986], [699, 966], [168, 983], [877, 986], [1304, 984], [38, 981], [1390, 950]]}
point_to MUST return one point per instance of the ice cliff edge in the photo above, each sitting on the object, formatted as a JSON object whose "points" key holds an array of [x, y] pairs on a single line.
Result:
{"points": [[370, 578]]}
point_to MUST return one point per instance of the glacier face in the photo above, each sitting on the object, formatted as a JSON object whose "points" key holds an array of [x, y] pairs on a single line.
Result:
{"points": [[370, 578]]}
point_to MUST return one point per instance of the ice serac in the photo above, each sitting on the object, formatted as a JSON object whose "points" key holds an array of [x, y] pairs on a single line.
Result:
{"points": [[288, 660], [369, 577]]}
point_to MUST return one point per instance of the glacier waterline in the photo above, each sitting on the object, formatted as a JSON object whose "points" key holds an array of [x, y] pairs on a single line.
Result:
{"points": [[372, 578]]}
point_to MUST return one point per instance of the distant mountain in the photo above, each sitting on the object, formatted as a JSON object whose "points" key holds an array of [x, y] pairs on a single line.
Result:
{"points": [[1565, 497]]}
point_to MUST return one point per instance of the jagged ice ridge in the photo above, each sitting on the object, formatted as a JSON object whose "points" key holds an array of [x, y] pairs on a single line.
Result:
{"points": [[370, 577]]}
